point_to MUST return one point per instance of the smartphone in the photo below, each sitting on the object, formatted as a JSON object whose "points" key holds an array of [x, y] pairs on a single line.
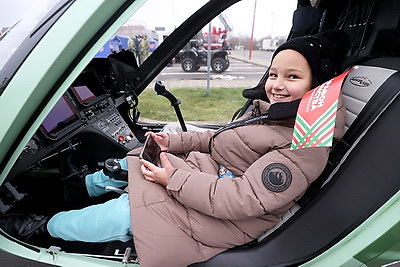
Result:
{"points": [[151, 151]]}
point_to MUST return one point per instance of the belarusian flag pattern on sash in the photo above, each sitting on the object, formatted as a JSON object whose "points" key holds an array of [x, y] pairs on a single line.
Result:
{"points": [[316, 116]]}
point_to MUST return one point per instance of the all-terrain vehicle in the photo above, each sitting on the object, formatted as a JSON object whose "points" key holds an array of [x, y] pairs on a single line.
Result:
{"points": [[192, 59]]}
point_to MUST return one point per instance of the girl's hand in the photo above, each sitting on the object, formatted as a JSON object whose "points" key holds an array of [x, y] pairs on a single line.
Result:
{"points": [[156, 174], [162, 139]]}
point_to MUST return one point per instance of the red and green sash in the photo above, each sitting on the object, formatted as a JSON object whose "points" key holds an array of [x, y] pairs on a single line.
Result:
{"points": [[316, 115]]}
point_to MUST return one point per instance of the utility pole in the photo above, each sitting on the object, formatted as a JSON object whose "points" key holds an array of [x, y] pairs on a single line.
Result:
{"points": [[252, 29], [208, 59]]}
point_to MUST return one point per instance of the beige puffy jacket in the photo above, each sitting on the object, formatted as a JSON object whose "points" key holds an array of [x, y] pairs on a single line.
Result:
{"points": [[200, 215]]}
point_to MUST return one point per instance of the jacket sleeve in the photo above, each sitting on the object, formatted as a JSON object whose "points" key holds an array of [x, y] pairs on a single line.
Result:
{"points": [[275, 180], [190, 141]]}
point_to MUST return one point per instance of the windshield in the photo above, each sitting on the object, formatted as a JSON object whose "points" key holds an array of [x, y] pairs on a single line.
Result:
{"points": [[242, 39], [17, 21], [247, 33]]}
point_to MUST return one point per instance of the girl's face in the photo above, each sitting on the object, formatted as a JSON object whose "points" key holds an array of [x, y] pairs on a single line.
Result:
{"points": [[289, 77]]}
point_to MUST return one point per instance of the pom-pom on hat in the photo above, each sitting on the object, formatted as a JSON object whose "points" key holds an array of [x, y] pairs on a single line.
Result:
{"points": [[323, 51]]}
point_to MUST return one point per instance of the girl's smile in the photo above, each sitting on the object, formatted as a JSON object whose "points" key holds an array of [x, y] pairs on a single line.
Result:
{"points": [[289, 77]]}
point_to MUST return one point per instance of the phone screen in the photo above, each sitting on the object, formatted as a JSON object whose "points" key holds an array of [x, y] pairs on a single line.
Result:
{"points": [[151, 151]]}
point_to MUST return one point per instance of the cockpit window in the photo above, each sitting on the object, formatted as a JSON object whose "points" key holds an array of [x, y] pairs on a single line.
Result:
{"points": [[233, 65], [149, 26], [18, 21]]}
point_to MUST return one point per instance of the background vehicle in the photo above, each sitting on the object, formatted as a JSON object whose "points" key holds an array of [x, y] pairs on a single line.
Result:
{"points": [[193, 59], [218, 36], [196, 52], [57, 99]]}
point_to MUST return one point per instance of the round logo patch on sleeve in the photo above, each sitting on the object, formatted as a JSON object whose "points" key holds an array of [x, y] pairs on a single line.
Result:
{"points": [[276, 177]]}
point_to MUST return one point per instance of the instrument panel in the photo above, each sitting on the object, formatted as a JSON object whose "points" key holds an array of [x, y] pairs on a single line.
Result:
{"points": [[86, 109]]}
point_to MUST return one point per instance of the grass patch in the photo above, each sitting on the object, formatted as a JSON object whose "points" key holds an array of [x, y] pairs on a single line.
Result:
{"points": [[219, 105]]}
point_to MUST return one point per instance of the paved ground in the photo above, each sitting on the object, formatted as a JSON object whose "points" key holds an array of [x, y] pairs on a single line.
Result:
{"points": [[258, 57]]}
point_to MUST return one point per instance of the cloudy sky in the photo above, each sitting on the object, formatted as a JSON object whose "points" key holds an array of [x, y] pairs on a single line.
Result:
{"points": [[11, 9], [272, 17]]}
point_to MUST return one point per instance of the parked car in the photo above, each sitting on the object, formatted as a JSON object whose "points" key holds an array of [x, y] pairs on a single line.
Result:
{"points": [[57, 97]]}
